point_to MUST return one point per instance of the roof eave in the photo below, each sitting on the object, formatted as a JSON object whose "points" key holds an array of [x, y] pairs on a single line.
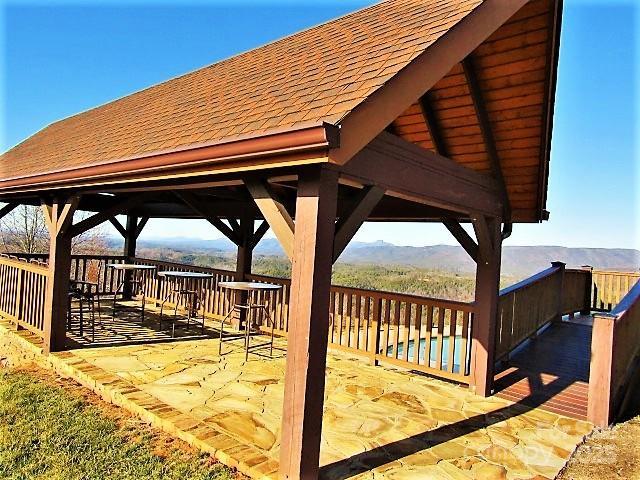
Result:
{"points": [[258, 148]]}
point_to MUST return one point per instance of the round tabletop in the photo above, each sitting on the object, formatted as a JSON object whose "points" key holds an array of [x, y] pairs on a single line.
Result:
{"points": [[130, 266], [179, 274], [249, 286]]}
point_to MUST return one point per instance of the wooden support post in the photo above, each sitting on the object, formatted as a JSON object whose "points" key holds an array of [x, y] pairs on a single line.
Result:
{"points": [[599, 411], [130, 242], [588, 291], [560, 289], [376, 324], [243, 267], [59, 216], [486, 303], [308, 324]]}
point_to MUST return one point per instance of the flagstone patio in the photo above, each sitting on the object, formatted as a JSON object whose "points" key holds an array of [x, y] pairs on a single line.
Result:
{"points": [[378, 422]]}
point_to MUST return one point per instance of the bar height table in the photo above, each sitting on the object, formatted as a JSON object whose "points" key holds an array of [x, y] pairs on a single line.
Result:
{"points": [[134, 268], [183, 285], [248, 307]]}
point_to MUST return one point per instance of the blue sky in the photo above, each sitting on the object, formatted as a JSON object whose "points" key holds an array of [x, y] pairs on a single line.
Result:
{"points": [[59, 58]]}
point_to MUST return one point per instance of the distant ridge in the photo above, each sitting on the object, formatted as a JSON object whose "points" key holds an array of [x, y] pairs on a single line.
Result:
{"points": [[516, 260]]}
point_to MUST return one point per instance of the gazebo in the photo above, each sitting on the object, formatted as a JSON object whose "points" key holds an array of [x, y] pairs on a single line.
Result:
{"points": [[405, 111]]}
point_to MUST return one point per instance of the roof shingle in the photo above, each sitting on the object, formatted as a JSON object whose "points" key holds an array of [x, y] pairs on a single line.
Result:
{"points": [[320, 74]]}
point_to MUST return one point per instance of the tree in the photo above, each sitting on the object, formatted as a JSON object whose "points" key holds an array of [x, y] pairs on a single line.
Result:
{"points": [[24, 230]]}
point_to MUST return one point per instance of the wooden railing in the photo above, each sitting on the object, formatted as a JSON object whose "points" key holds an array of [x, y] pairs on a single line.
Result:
{"points": [[216, 301], [22, 291], [86, 268], [615, 350], [576, 291], [524, 308], [376, 325], [419, 333], [429, 335], [609, 287]]}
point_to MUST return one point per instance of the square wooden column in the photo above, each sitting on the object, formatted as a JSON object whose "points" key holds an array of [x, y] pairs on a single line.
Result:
{"points": [[308, 324], [59, 216], [483, 329], [130, 244], [243, 267]]}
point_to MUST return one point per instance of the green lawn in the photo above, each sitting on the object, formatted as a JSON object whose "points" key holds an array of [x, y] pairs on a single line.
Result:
{"points": [[48, 432]]}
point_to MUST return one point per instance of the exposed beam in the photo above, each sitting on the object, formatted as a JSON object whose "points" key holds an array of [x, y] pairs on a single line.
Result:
{"points": [[259, 233], [47, 213], [235, 226], [103, 216], [7, 209], [274, 212], [431, 121], [463, 238], [349, 224], [486, 244], [118, 226], [201, 209], [408, 171], [487, 133], [141, 225]]}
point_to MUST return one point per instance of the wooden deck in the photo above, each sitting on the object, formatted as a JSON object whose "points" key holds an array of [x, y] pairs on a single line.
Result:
{"points": [[552, 371]]}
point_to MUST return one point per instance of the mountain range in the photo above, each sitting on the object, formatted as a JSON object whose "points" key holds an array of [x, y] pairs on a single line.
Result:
{"points": [[516, 260]]}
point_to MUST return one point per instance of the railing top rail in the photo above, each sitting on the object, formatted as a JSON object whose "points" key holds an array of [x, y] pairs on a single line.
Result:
{"points": [[24, 265], [184, 266], [527, 282], [628, 301], [618, 272], [400, 297]]}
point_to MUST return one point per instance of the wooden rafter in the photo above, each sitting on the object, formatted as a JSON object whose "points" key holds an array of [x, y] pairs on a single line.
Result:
{"points": [[464, 239], [349, 223], [487, 132], [433, 126], [201, 209], [274, 213]]}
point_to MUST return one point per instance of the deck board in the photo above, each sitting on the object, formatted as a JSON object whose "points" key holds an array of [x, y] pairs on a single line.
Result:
{"points": [[551, 371]]}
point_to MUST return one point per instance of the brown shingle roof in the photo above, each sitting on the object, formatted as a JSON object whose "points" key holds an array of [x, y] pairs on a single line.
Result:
{"points": [[316, 75]]}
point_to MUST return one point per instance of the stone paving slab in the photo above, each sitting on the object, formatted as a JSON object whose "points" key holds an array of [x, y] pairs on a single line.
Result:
{"points": [[379, 423]]}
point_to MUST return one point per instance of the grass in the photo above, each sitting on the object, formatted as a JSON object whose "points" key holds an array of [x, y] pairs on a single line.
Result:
{"points": [[51, 431]]}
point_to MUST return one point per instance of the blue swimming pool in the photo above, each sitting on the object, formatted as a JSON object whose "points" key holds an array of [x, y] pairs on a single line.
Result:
{"points": [[432, 355]]}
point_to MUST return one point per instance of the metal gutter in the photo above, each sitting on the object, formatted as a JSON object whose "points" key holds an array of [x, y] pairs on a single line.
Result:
{"points": [[302, 139]]}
